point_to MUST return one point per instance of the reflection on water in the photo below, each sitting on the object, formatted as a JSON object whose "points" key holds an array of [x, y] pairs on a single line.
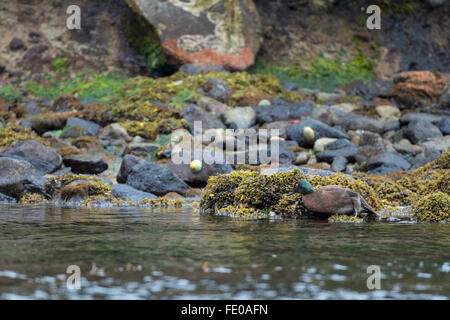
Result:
{"points": [[131, 253]]}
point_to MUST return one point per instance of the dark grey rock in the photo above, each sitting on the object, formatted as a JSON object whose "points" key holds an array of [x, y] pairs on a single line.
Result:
{"points": [[90, 127], [289, 86], [349, 152], [339, 164], [86, 165], [352, 121], [32, 108], [444, 125], [45, 159], [184, 172], [321, 130], [16, 44], [217, 89], [18, 177], [125, 192], [192, 113], [387, 162], [280, 112], [141, 148], [149, 177], [128, 162], [421, 130], [193, 68], [6, 199], [414, 116]]}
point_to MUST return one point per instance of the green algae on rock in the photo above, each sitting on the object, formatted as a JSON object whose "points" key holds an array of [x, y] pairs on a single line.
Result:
{"points": [[247, 190], [433, 207], [12, 134]]}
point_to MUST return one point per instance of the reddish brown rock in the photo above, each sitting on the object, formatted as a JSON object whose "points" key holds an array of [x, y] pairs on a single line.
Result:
{"points": [[216, 32], [418, 86]]}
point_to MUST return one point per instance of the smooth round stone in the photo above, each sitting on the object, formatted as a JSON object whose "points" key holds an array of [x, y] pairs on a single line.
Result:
{"points": [[196, 166], [308, 134], [264, 102]]}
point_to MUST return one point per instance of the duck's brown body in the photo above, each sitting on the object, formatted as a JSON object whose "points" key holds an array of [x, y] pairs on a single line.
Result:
{"points": [[334, 199]]}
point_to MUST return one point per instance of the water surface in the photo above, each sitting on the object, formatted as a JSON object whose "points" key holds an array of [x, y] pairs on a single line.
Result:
{"points": [[133, 253]]}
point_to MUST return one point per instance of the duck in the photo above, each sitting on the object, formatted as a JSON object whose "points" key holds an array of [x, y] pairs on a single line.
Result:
{"points": [[332, 200]]}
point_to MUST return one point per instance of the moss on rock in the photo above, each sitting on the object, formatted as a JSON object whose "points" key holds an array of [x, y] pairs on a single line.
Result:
{"points": [[12, 134], [433, 207]]}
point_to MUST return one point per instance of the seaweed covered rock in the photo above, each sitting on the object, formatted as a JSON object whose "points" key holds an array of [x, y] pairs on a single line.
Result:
{"points": [[215, 32], [48, 121], [83, 190], [271, 192], [433, 207], [417, 86], [55, 184], [8, 135]]}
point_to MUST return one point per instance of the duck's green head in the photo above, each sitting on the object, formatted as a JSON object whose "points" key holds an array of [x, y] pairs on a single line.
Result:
{"points": [[303, 187]]}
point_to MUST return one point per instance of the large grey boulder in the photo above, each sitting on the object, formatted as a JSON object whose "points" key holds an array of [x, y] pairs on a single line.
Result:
{"points": [[44, 159], [18, 177], [125, 192], [218, 32], [152, 178]]}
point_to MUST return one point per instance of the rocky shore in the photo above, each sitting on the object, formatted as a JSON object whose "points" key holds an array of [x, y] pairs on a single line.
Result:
{"points": [[82, 138]]}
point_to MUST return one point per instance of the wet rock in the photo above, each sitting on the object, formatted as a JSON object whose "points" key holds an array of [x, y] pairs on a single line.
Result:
{"points": [[390, 124], [49, 121], [195, 68], [415, 87], [218, 32], [339, 148], [414, 116], [421, 130], [386, 162], [128, 162], [339, 164], [125, 192], [86, 165], [114, 132], [281, 126], [437, 144], [406, 147], [6, 199], [152, 178], [91, 128], [18, 177], [239, 118], [352, 121], [444, 125], [44, 159], [192, 113], [141, 148], [217, 89], [16, 44], [370, 144], [321, 130], [282, 112], [185, 173]]}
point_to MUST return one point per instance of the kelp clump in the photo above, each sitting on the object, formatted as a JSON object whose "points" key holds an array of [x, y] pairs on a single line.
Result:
{"points": [[84, 190], [32, 198], [180, 88], [56, 183], [433, 207], [242, 192], [394, 193], [339, 218], [9, 135]]}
